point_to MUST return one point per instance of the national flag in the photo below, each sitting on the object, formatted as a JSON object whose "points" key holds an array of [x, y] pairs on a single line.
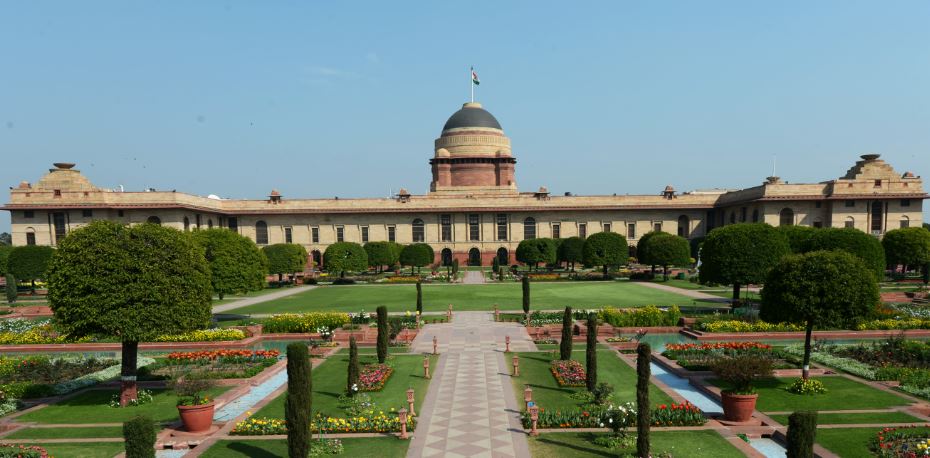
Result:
{"points": [[474, 77]]}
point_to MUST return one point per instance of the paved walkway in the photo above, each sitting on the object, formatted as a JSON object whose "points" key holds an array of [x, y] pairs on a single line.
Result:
{"points": [[473, 277], [694, 294], [259, 299], [470, 409]]}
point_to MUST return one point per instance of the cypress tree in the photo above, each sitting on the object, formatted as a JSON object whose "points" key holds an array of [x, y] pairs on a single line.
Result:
{"points": [[802, 431], [299, 400], [354, 370], [925, 276], [383, 334], [565, 346], [526, 294], [591, 353], [139, 434], [419, 298], [10, 288], [643, 408], [495, 265]]}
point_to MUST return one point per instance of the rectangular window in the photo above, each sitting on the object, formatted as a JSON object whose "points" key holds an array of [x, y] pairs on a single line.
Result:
{"points": [[30, 238], [29, 214], [392, 233], [445, 223], [657, 227], [315, 235], [474, 227], [905, 223], [742, 215], [556, 230], [364, 230], [198, 222], [905, 202], [233, 223], [340, 234], [818, 204], [631, 231], [58, 220], [121, 214], [606, 227], [850, 203], [849, 224], [501, 226], [288, 235], [57, 193], [583, 230], [818, 224], [878, 183], [87, 213]]}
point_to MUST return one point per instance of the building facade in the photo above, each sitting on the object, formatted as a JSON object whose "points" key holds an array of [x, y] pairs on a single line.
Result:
{"points": [[474, 211]]}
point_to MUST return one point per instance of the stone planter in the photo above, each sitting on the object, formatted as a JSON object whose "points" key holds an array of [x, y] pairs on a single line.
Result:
{"points": [[738, 407], [197, 418]]}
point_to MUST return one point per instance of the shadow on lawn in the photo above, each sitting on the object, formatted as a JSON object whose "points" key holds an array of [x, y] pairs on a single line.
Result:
{"points": [[586, 436], [250, 450]]}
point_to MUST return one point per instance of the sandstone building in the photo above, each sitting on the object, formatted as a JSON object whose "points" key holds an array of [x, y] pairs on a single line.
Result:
{"points": [[474, 210]]}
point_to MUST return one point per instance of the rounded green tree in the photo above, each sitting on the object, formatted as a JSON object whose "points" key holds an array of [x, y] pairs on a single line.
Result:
{"points": [[534, 251], [29, 263], [571, 251], [908, 247], [417, 255], [819, 289], [741, 254], [286, 259], [642, 250], [605, 249], [237, 265], [380, 254], [865, 246], [664, 249], [133, 283], [345, 257], [798, 236]]}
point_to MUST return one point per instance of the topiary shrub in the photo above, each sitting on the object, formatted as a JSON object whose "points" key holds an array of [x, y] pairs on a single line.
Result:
{"points": [[10, 288], [526, 293], [419, 298], [383, 334], [591, 353], [802, 432], [565, 346], [354, 370], [299, 400], [643, 408], [139, 434]]}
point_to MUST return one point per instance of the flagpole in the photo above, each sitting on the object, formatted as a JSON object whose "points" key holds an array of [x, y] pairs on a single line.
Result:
{"points": [[471, 83]]}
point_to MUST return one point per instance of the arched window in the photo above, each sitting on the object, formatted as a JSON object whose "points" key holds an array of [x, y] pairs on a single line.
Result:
{"points": [[529, 229], [684, 226], [474, 257], [317, 258], [154, 220], [210, 224], [850, 222], [786, 217], [732, 217], [30, 236], [261, 233], [446, 255], [187, 224], [503, 257], [877, 225], [905, 222], [755, 215], [419, 233]]}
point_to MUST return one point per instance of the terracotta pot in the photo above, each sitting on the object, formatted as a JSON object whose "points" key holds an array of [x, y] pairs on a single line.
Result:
{"points": [[738, 407], [197, 418]]}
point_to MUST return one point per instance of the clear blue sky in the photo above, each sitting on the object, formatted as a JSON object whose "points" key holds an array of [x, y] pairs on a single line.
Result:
{"points": [[321, 99]]}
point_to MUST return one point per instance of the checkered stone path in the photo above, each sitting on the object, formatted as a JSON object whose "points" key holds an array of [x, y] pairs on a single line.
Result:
{"points": [[470, 409]]}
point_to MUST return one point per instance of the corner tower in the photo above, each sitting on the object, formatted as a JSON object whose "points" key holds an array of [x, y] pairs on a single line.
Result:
{"points": [[472, 154]]}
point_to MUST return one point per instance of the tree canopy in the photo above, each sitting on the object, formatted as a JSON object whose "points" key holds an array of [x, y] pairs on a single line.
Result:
{"points": [[535, 251], [29, 262], [664, 249], [797, 236], [571, 250], [345, 257], [605, 249], [286, 258], [237, 265], [381, 254], [741, 254], [4, 255], [6, 238], [909, 246], [851, 240], [820, 289], [417, 255], [642, 248]]}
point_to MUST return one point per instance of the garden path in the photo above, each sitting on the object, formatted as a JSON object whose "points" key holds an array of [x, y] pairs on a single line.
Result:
{"points": [[470, 409], [684, 292], [259, 299], [473, 277]]}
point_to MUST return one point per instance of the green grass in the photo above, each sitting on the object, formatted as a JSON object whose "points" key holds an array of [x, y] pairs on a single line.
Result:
{"points": [[399, 298], [329, 382], [847, 442], [842, 393], [691, 444], [84, 450], [683, 284], [856, 418], [92, 406], [534, 371], [381, 447], [230, 298], [68, 433]]}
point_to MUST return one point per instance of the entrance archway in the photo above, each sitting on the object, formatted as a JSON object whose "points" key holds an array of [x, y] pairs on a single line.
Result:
{"points": [[317, 258], [474, 257], [446, 255], [503, 257]]}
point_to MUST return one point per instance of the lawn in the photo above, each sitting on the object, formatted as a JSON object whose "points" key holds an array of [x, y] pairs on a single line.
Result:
{"points": [[842, 393], [235, 297], [80, 432], [534, 370], [847, 442], [691, 444], [84, 450], [329, 381], [508, 296], [381, 447], [92, 407], [857, 418]]}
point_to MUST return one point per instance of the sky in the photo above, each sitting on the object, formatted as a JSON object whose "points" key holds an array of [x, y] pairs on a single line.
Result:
{"points": [[339, 98]]}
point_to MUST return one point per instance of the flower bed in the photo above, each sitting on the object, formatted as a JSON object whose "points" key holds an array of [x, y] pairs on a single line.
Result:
{"points": [[305, 322], [22, 451], [568, 373], [203, 335], [402, 279], [745, 326], [892, 323], [215, 364], [36, 376], [372, 377], [544, 277], [684, 414], [905, 441], [20, 331], [647, 316], [699, 357], [372, 423]]}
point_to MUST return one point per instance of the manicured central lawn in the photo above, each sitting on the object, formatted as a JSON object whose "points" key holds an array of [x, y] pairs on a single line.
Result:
{"points": [[848, 442], [329, 382], [79, 432], [842, 393], [381, 447], [84, 450], [534, 371], [690, 444], [857, 418], [93, 407], [399, 298]]}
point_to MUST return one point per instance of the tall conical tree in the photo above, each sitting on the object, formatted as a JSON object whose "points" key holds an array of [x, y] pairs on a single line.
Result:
{"points": [[802, 433], [383, 334], [419, 298], [526, 294], [591, 353], [299, 400], [352, 380], [565, 346], [643, 408]]}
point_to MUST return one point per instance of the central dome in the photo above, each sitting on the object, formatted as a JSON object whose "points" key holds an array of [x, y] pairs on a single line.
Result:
{"points": [[472, 115]]}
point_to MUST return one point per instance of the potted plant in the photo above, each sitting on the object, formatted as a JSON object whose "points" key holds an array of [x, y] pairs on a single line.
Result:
{"points": [[739, 400], [194, 404]]}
